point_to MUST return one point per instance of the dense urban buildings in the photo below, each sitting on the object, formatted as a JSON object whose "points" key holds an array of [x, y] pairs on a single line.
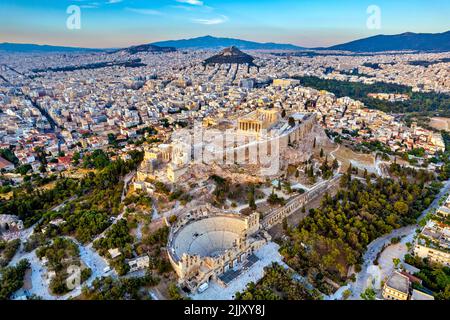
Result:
{"points": [[218, 168], [177, 105]]}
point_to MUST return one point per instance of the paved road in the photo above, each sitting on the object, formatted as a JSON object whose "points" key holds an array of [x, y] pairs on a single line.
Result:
{"points": [[94, 261], [87, 254], [39, 285], [377, 245]]}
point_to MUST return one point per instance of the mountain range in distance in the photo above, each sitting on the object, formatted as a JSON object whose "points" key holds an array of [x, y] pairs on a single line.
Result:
{"points": [[402, 42], [26, 47], [209, 42], [399, 42]]}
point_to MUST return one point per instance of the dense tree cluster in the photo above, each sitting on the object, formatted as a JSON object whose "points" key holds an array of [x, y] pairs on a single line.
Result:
{"points": [[434, 276], [7, 251], [335, 235], [373, 146], [5, 187], [327, 170], [147, 130], [29, 206], [180, 195], [274, 199], [98, 159], [12, 279], [139, 199], [153, 245], [161, 187], [420, 176], [368, 294], [118, 236], [419, 102], [60, 254], [35, 240], [278, 283], [35, 180], [222, 188], [174, 292], [97, 198], [443, 158], [242, 192], [159, 237], [119, 289]]}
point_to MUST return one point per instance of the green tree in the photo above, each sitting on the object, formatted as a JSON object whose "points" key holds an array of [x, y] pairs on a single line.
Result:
{"points": [[24, 169], [76, 158], [401, 207], [291, 121], [12, 279], [335, 164], [368, 294], [174, 292]]}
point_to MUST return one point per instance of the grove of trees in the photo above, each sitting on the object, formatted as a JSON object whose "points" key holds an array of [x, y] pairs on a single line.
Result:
{"points": [[424, 103], [278, 283], [335, 235], [11, 279]]}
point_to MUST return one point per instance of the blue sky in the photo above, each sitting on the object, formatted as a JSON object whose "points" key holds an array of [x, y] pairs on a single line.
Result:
{"points": [[117, 23]]}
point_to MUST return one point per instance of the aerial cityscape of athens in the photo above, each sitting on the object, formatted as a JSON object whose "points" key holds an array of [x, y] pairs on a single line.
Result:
{"points": [[224, 150]]}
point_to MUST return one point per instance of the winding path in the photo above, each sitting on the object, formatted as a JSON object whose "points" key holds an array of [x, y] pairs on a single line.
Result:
{"points": [[39, 283], [376, 246], [88, 255]]}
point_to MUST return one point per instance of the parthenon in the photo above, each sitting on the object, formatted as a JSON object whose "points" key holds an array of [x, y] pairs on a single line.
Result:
{"points": [[258, 120]]}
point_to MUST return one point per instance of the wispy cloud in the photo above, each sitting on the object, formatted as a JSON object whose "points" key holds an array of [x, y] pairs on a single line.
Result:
{"points": [[202, 8], [88, 6], [91, 5], [144, 11], [191, 2], [96, 4], [187, 8], [213, 21]]}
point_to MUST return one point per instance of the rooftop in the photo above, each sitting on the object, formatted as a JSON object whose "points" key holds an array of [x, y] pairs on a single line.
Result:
{"points": [[419, 295], [398, 282], [4, 163]]}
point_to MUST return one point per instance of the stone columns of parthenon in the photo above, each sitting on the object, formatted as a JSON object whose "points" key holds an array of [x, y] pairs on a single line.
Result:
{"points": [[250, 126]]}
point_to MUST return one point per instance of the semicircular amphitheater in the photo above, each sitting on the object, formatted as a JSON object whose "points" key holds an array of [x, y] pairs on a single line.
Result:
{"points": [[206, 245], [209, 237]]}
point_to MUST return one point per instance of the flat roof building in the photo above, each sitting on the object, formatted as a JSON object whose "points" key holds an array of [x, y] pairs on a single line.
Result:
{"points": [[397, 287]]}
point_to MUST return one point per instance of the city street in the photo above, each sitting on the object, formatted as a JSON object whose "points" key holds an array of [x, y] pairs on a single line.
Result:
{"points": [[363, 277]]}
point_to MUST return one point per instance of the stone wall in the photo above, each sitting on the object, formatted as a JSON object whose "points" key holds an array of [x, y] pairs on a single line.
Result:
{"points": [[297, 203]]}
